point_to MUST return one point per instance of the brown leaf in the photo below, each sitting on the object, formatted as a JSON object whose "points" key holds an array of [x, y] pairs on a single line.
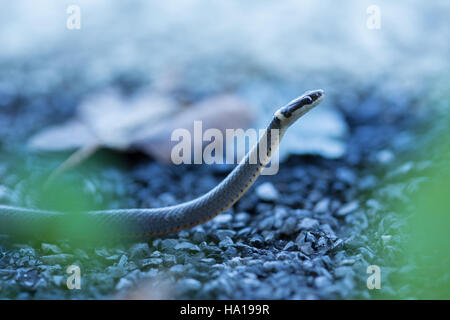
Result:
{"points": [[221, 112]]}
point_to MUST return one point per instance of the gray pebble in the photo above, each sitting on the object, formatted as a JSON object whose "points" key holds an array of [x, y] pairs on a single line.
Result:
{"points": [[222, 234], [187, 246], [289, 226], [225, 243], [386, 239], [242, 217], [322, 206], [199, 236], [267, 192], [308, 224], [289, 246], [189, 285], [139, 251], [256, 241], [124, 284], [50, 248], [322, 282], [152, 262], [168, 245], [223, 218], [267, 223], [306, 249], [348, 208]]}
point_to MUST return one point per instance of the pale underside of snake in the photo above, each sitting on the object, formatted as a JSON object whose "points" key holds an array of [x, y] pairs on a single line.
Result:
{"points": [[153, 222]]}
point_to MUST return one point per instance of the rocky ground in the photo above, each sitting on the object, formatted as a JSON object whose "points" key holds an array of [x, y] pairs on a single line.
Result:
{"points": [[308, 232]]}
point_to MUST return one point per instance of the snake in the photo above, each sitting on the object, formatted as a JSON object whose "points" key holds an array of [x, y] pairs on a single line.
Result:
{"points": [[154, 222]]}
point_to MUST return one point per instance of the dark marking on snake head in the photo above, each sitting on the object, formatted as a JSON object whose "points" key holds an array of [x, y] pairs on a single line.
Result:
{"points": [[316, 94], [300, 102], [275, 124]]}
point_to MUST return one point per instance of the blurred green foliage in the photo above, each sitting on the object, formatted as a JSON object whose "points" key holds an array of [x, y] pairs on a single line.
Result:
{"points": [[73, 194], [424, 268]]}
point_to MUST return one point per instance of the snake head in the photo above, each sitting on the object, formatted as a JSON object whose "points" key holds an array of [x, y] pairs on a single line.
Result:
{"points": [[299, 106]]}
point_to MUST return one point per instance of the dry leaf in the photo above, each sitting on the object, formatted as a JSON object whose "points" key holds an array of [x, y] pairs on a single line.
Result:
{"points": [[221, 112], [144, 122], [106, 119]]}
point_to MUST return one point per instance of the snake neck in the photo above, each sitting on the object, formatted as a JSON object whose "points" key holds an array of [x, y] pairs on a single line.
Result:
{"points": [[238, 181]]}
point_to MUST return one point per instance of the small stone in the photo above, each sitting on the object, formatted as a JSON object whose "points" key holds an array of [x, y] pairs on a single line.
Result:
{"points": [[113, 257], [366, 253], [328, 231], [222, 234], [189, 285], [267, 223], [341, 272], [102, 252], [225, 243], [308, 224], [384, 156], [230, 252], [156, 243], [267, 192], [322, 282], [289, 246], [223, 218], [178, 269], [353, 242], [289, 226], [272, 266], [50, 248], [269, 236], [167, 199], [306, 249], [5, 193], [199, 236], [57, 258], [123, 261], [244, 232], [139, 251], [322, 206], [81, 254], [187, 246], [242, 217], [245, 249], [58, 280], [183, 234], [152, 262], [168, 245], [322, 242], [302, 213], [208, 260], [348, 208]]}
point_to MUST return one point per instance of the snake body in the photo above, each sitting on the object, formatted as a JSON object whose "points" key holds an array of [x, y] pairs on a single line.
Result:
{"points": [[143, 223]]}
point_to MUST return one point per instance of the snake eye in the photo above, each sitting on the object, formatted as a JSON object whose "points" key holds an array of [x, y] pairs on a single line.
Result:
{"points": [[307, 100], [315, 95]]}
